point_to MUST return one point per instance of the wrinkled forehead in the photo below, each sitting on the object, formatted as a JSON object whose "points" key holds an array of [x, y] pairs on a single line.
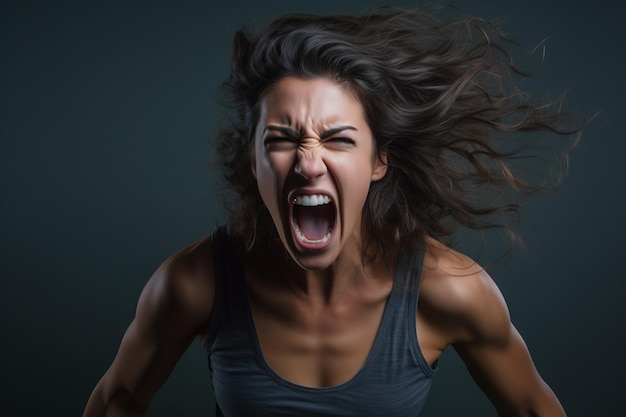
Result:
{"points": [[306, 102]]}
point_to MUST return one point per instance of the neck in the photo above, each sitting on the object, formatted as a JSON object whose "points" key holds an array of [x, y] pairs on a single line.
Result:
{"points": [[350, 272]]}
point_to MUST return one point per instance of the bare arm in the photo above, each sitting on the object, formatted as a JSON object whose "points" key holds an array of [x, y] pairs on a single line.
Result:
{"points": [[507, 375], [173, 309], [474, 317], [497, 357]]}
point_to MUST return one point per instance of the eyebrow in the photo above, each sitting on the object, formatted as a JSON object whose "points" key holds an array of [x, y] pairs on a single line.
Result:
{"points": [[292, 134]]}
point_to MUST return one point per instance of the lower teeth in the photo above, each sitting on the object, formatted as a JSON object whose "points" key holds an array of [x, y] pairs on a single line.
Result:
{"points": [[304, 239]]}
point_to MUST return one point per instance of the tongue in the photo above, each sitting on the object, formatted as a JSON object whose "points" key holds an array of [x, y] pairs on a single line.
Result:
{"points": [[315, 222]]}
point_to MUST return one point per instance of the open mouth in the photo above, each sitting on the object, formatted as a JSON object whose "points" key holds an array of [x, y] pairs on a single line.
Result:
{"points": [[313, 218]]}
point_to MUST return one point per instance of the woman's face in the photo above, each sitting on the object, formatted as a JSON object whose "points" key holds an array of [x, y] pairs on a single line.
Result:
{"points": [[314, 159]]}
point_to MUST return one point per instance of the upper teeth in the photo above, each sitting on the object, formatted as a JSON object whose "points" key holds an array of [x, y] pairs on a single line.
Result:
{"points": [[311, 200]]}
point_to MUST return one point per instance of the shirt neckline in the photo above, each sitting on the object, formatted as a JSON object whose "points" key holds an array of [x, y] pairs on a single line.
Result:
{"points": [[383, 329]]}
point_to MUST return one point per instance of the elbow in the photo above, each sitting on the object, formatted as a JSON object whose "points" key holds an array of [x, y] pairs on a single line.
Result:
{"points": [[544, 405], [119, 403], [124, 403]]}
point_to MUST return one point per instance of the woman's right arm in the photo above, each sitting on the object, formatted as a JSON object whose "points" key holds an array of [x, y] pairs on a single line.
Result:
{"points": [[173, 309]]}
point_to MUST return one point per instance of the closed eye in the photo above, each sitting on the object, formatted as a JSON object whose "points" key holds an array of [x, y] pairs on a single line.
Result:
{"points": [[279, 142], [340, 141]]}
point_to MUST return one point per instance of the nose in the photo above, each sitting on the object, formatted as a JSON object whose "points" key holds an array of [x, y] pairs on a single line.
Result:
{"points": [[310, 164]]}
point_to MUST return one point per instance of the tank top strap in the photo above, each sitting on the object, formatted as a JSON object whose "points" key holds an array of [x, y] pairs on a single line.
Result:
{"points": [[409, 270], [228, 283], [399, 322], [405, 292], [414, 267]]}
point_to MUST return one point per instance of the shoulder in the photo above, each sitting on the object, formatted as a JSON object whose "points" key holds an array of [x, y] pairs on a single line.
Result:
{"points": [[178, 298], [461, 298]]}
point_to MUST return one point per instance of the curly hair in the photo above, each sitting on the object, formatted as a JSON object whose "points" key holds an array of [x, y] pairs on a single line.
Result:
{"points": [[441, 98]]}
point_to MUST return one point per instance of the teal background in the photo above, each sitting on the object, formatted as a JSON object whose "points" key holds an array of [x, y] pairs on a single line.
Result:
{"points": [[107, 111]]}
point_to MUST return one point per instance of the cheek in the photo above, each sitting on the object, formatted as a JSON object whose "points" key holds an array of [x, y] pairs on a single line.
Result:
{"points": [[265, 179], [271, 171], [356, 182]]}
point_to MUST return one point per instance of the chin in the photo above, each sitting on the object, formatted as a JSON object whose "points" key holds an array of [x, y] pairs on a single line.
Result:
{"points": [[316, 259], [312, 263]]}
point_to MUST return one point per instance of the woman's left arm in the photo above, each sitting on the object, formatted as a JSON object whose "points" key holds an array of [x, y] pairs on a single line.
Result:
{"points": [[497, 357], [506, 373]]}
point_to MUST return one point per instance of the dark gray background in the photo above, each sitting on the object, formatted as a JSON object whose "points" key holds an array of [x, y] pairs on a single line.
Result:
{"points": [[106, 118]]}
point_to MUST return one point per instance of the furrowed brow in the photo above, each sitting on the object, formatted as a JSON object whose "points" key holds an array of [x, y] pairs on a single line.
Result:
{"points": [[290, 133], [336, 130]]}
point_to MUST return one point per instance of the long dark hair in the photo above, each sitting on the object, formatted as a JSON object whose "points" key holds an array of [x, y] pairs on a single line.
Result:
{"points": [[442, 100]]}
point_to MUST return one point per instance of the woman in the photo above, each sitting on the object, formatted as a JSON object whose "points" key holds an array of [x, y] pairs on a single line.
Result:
{"points": [[361, 144]]}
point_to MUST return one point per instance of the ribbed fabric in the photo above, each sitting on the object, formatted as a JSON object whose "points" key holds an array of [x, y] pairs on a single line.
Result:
{"points": [[394, 381]]}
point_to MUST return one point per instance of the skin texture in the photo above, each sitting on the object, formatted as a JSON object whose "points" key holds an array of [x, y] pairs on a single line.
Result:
{"points": [[317, 310], [172, 310], [296, 154]]}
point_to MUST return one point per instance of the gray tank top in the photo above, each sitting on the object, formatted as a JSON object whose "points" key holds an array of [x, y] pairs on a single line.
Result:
{"points": [[394, 380]]}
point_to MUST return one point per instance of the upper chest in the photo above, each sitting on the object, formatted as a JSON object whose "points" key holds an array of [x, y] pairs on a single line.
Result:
{"points": [[313, 342]]}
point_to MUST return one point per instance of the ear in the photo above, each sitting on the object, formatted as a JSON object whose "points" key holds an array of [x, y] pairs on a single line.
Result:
{"points": [[380, 166]]}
